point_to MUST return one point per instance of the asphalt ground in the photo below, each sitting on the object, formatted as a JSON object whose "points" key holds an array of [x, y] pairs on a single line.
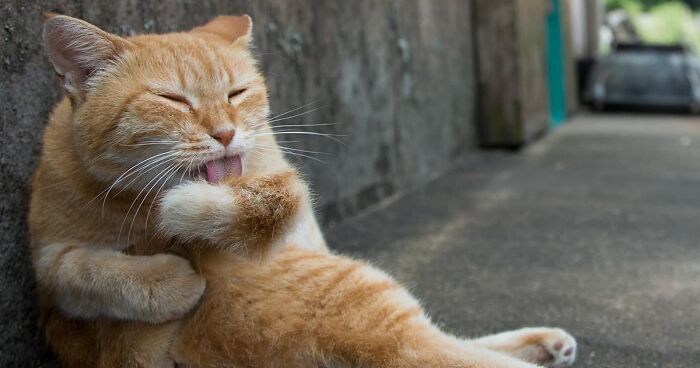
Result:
{"points": [[594, 229]]}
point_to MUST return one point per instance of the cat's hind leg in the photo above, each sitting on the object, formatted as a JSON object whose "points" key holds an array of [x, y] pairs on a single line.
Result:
{"points": [[307, 309], [540, 345]]}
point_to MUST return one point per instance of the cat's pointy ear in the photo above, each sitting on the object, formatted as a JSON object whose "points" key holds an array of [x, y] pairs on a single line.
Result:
{"points": [[236, 29], [77, 49]]}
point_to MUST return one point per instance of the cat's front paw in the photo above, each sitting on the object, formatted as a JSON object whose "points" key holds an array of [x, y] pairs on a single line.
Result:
{"points": [[194, 210], [267, 203], [172, 286]]}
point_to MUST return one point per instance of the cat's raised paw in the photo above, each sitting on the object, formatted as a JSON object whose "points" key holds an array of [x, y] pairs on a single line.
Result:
{"points": [[189, 210]]}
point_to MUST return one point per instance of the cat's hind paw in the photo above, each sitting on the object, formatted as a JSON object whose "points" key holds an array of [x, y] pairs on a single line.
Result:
{"points": [[557, 348], [552, 347]]}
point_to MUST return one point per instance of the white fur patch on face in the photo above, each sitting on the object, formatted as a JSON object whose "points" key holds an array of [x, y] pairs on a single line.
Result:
{"points": [[242, 142], [197, 210]]}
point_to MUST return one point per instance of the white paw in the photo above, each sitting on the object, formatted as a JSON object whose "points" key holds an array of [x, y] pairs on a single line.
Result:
{"points": [[558, 348], [196, 210]]}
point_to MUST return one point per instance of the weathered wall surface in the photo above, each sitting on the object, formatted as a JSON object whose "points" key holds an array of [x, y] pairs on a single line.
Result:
{"points": [[532, 67], [512, 71], [495, 27], [395, 77]]}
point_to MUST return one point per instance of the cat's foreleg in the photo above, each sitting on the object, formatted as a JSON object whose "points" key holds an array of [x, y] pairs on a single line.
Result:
{"points": [[88, 283], [540, 345], [249, 214]]}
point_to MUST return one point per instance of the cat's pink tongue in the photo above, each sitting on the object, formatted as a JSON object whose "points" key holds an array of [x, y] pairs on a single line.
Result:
{"points": [[223, 167]]}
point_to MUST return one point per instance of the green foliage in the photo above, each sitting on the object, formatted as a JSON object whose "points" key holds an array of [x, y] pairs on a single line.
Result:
{"points": [[671, 22], [631, 5], [662, 22], [644, 5]]}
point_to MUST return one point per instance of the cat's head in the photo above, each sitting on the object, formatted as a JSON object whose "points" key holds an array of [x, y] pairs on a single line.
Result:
{"points": [[152, 109]]}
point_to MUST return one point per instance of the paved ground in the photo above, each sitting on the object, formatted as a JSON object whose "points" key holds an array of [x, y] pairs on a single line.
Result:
{"points": [[594, 229]]}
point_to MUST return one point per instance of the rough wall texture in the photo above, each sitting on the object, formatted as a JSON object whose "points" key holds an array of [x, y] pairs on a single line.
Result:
{"points": [[395, 77], [498, 109], [531, 57], [512, 71]]}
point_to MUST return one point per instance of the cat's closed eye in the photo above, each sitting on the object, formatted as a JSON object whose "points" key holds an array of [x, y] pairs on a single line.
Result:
{"points": [[180, 100], [236, 92]]}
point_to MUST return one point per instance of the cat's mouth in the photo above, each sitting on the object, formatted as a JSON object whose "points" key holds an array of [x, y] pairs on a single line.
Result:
{"points": [[216, 170]]}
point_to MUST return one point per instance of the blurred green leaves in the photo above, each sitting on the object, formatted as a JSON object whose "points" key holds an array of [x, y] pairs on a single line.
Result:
{"points": [[662, 22], [643, 5]]}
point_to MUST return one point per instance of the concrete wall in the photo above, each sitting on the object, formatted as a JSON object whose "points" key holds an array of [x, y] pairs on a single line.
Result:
{"points": [[531, 57], [395, 76], [512, 71], [572, 87], [496, 44]]}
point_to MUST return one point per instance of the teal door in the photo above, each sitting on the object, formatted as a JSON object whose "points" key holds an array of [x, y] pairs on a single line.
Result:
{"points": [[555, 65]]}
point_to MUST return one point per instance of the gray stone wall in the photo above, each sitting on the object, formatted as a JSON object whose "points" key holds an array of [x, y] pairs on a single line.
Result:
{"points": [[495, 28], [512, 71], [531, 57], [395, 77]]}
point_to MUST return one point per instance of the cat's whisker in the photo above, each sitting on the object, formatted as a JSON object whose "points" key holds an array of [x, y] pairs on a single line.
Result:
{"points": [[143, 171], [155, 181], [149, 144], [298, 125], [134, 167], [292, 153], [94, 159], [270, 121], [299, 132], [294, 149], [138, 172], [144, 166], [287, 141], [136, 198], [158, 140], [188, 170], [293, 110], [168, 162], [155, 197], [125, 173], [255, 154], [329, 136]]}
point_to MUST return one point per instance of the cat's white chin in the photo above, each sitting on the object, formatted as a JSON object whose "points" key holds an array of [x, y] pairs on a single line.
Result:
{"points": [[216, 170]]}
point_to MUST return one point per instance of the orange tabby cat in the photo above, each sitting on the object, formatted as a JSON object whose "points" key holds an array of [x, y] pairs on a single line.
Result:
{"points": [[167, 227]]}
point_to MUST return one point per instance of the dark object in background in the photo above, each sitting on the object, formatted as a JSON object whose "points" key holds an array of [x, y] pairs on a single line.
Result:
{"points": [[647, 77], [584, 67]]}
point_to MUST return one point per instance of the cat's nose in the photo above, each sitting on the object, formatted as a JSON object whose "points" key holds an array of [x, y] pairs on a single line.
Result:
{"points": [[224, 136]]}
